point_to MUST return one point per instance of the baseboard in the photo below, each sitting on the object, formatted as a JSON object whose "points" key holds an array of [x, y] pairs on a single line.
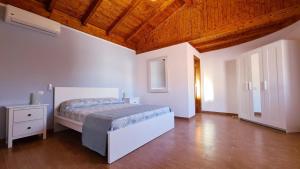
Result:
{"points": [[220, 113], [264, 125], [183, 118]]}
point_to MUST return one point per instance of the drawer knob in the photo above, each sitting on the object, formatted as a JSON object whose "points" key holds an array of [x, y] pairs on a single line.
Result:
{"points": [[28, 128], [28, 115]]}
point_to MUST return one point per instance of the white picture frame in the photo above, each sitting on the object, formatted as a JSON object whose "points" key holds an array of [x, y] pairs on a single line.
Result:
{"points": [[162, 71]]}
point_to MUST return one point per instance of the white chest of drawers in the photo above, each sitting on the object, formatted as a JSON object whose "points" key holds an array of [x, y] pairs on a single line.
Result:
{"points": [[25, 120]]}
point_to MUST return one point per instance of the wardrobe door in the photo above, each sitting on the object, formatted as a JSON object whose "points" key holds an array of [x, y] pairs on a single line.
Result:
{"points": [[243, 88], [255, 77], [271, 105]]}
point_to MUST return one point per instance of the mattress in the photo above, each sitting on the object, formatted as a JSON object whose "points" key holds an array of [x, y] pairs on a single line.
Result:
{"points": [[107, 111]]}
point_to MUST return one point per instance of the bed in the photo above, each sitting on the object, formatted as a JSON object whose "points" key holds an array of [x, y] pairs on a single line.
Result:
{"points": [[137, 125]]}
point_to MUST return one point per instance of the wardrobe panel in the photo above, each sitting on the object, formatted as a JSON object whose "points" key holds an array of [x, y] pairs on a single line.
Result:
{"points": [[243, 88], [271, 95], [255, 77], [291, 85]]}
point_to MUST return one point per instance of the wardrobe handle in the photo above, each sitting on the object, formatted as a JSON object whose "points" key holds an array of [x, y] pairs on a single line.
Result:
{"points": [[265, 85], [250, 85]]}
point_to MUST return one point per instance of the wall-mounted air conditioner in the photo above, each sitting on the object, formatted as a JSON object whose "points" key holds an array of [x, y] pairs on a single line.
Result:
{"points": [[32, 21]]}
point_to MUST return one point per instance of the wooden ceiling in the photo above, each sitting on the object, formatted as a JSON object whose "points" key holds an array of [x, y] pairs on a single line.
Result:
{"points": [[144, 25]]}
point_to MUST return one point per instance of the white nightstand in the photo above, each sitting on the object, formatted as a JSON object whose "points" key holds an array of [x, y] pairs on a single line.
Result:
{"points": [[132, 100], [25, 120]]}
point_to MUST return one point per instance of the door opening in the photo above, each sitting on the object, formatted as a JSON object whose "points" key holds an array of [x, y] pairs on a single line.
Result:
{"points": [[197, 84]]}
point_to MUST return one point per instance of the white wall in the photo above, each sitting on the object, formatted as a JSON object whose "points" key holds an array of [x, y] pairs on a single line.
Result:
{"points": [[30, 60], [180, 79], [218, 81], [218, 70]]}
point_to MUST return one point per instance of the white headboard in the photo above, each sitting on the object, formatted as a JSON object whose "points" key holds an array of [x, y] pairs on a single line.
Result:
{"points": [[62, 94]]}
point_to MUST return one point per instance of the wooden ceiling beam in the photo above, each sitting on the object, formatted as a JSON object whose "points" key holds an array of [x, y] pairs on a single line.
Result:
{"points": [[242, 37], [178, 9], [189, 2], [123, 15], [58, 16], [51, 5], [275, 18], [205, 33], [91, 11], [139, 51], [158, 11], [32, 6], [212, 38]]}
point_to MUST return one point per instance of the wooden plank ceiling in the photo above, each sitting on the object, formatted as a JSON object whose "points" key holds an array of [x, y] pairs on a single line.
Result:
{"points": [[144, 25]]}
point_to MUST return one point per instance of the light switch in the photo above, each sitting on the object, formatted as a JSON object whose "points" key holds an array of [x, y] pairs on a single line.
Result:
{"points": [[50, 87]]}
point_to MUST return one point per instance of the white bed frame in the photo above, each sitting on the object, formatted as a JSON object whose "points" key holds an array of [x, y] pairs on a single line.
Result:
{"points": [[121, 141]]}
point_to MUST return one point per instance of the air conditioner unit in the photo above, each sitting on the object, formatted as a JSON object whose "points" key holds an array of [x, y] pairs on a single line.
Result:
{"points": [[32, 21]]}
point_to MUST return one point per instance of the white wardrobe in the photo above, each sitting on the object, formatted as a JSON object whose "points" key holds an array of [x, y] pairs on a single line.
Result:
{"points": [[269, 85]]}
